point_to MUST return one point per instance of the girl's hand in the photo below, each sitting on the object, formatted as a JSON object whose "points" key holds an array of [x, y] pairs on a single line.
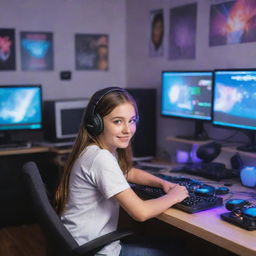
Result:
{"points": [[179, 193], [166, 186]]}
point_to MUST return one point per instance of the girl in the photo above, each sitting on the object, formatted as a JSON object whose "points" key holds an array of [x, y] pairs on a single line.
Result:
{"points": [[97, 174]]}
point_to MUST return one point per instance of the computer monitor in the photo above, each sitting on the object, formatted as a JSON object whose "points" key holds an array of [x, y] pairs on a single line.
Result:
{"points": [[20, 109], [188, 95], [234, 101], [62, 119]]}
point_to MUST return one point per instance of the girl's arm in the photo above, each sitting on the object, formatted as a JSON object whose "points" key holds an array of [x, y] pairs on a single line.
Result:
{"points": [[141, 210], [141, 177]]}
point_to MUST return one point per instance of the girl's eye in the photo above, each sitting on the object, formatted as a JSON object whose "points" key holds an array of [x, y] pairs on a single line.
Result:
{"points": [[133, 121], [117, 121]]}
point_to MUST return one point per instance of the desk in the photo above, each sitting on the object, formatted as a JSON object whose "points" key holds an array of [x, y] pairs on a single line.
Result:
{"points": [[22, 151], [209, 226]]}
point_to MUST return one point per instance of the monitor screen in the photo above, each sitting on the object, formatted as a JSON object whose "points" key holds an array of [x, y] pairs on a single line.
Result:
{"points": [[234, 98], [187, 95], [71, 120], [20, 107]]}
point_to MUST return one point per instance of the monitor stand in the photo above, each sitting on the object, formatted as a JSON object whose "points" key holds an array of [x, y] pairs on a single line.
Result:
{"points": [[199, 133], [251, 147]]}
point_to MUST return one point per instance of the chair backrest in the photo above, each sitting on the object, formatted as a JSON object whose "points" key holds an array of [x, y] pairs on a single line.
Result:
{"points": [[56, 233]]}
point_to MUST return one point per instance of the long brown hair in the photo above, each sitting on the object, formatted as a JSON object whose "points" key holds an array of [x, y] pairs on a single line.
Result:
{"points": [[104, 107]]}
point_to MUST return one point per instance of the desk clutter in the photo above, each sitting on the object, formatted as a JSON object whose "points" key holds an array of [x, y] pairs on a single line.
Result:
{"points": [[202, 196]]}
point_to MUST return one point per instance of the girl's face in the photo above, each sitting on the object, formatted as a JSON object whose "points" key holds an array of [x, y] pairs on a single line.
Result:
{"points": [[119, 127], [157, 32]]}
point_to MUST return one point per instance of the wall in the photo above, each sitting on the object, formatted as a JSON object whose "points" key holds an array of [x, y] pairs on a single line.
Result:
{"points": [[127, 23], [65, 18], [145, 71]]}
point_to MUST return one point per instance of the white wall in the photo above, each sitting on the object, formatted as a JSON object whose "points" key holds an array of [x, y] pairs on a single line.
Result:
{"points": [[145, 71], [65, 18]]}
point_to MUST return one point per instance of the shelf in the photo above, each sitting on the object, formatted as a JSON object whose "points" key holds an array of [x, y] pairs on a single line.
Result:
{"points": [[198, 142], [224, 149]]}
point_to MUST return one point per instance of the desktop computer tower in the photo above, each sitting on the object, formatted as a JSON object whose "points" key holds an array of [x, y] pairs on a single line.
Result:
{"points": [[144, 141]]}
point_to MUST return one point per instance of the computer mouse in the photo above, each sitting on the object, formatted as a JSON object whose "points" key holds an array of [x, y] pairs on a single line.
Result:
{"points": [[235, 203], [205, 190], [222, 190]]}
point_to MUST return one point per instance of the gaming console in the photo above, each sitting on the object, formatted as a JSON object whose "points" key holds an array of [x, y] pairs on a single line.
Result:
{"points": [[241, 213]]}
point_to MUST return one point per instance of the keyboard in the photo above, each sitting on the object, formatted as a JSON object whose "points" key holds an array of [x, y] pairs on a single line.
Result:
{"points": [[212, 171], [201, 196]]}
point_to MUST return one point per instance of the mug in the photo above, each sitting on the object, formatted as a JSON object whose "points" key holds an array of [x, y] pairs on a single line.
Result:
{"points": [[248, 176]]}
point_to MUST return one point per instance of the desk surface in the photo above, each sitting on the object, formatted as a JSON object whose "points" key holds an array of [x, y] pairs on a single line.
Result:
{"points": [[20, 151], [209, 226], [34, 149]]}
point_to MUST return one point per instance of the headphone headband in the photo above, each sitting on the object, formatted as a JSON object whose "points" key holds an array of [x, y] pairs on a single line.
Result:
{"points": [[96, 98]]}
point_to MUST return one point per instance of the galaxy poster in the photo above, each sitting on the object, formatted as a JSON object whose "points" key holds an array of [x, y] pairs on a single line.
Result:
{"points": [[7, 49], [36, 51], [91, 52], [183, 32], [233, 22]]}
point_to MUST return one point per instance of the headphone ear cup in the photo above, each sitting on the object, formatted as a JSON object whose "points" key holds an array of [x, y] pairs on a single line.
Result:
{"points": [[98, 124], [94, 125]]}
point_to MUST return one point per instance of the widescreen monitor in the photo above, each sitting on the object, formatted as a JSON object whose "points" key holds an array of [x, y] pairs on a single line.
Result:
{"points": [[188, 95], [234, 101]]}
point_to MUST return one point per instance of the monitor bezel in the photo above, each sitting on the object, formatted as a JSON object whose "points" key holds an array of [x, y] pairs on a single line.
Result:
{"points": [[208, 120], [41, 107], [226, 126]]}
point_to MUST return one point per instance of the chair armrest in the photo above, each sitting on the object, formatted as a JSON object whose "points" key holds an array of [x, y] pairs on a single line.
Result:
{"points": [[91, 247]]}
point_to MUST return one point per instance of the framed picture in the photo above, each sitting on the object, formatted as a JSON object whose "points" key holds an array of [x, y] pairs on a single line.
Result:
{"points": [[232, 22], [7, 49], [156, 47], [183, 32], [36, 50], [91, 52]]}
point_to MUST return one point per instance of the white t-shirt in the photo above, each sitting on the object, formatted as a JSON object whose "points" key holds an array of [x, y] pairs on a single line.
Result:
{"points": [[91, 211]]}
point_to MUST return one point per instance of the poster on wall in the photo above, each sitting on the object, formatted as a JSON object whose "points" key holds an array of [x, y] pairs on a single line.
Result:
{"points": [[36, 51], [182, 35], [91, 52], [7, 49], [156, 47], [233, 22]]}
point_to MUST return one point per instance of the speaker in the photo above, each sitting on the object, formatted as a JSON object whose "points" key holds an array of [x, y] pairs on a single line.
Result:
{"points": [[144, 141], [236, 163], [208, 152]]}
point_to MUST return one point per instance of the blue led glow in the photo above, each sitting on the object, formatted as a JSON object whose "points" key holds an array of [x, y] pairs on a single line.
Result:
{"points": [[37, 49]]}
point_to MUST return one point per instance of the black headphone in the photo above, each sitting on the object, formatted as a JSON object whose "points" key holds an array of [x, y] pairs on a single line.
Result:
{"points": [[93, 122]]}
